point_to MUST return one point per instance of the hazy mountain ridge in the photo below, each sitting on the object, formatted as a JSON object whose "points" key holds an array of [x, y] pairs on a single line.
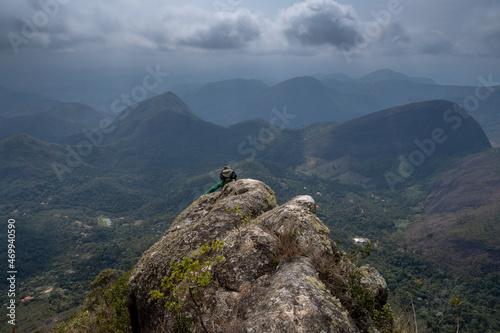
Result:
{"points": [[170, 135], [310, 101], [306, 98], [224, 102], [52, 121], [339, 98], [31, 109], [44, 118], [388, 74], [14, 99], [368, 147], [29, 159], [396, 130], [96, 87]]}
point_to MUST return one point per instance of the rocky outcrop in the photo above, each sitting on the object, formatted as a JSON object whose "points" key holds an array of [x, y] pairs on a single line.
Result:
{"points": [[293, 300], [267, 281]]}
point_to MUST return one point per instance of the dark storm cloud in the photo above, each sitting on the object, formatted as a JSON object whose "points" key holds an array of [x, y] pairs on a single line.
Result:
{"points": [[320, 22], [36, 25], [229, 34]]}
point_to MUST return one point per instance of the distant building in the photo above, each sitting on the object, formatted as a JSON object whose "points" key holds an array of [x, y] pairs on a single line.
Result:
{"points": [[360, 240], [104, 221], [27, 298]]}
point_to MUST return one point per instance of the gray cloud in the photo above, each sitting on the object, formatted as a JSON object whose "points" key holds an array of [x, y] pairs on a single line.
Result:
{"points": [[61, 42], [493, 40], [84, 26], [320, 22], [396, 33], [228, 34], [435, 42], [8, 25], [489, 38], [464, 28], [396, 40]]}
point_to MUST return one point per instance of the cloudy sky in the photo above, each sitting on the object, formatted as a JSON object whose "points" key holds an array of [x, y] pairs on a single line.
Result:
{"points": [[450, 41]]}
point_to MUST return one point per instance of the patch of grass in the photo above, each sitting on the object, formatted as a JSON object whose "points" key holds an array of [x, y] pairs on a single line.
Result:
{"points": [[287, 245]]}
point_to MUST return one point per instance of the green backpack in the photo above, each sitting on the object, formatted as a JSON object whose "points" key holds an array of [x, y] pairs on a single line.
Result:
{"points": [[227, 175]]}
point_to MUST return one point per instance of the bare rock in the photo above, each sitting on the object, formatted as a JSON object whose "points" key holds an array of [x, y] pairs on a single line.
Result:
{"points": [[253, 289], [298, 216], [293, 300]]}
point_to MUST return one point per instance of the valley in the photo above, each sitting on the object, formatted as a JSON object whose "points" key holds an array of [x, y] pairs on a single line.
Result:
{"points": [[419, 179]]}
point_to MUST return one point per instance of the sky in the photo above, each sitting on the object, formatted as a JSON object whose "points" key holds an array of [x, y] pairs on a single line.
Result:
{"points": [[450, 41]]}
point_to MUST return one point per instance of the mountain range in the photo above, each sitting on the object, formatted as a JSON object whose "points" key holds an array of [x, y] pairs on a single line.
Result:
{"points": [[411, 177], [307, 99], [334, 98]]}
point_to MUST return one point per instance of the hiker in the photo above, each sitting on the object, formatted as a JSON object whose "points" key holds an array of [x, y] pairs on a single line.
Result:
{"points": [[226, 175]]}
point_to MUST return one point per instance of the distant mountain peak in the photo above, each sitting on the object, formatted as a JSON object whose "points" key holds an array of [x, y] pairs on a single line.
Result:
{"points": [[33, 158], [161, 105], [395, 131], [165, 114], [229, 83], [384, 74], [388, 74], [303, 80], [167, 101]]}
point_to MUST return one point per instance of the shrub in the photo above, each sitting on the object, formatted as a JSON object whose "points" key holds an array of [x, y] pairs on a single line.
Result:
{"points": [[104, 309], [342, 277], [182, 290]]}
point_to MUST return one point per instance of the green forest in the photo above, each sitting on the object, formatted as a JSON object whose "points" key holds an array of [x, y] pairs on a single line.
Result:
{"points": [[65, 240]]}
